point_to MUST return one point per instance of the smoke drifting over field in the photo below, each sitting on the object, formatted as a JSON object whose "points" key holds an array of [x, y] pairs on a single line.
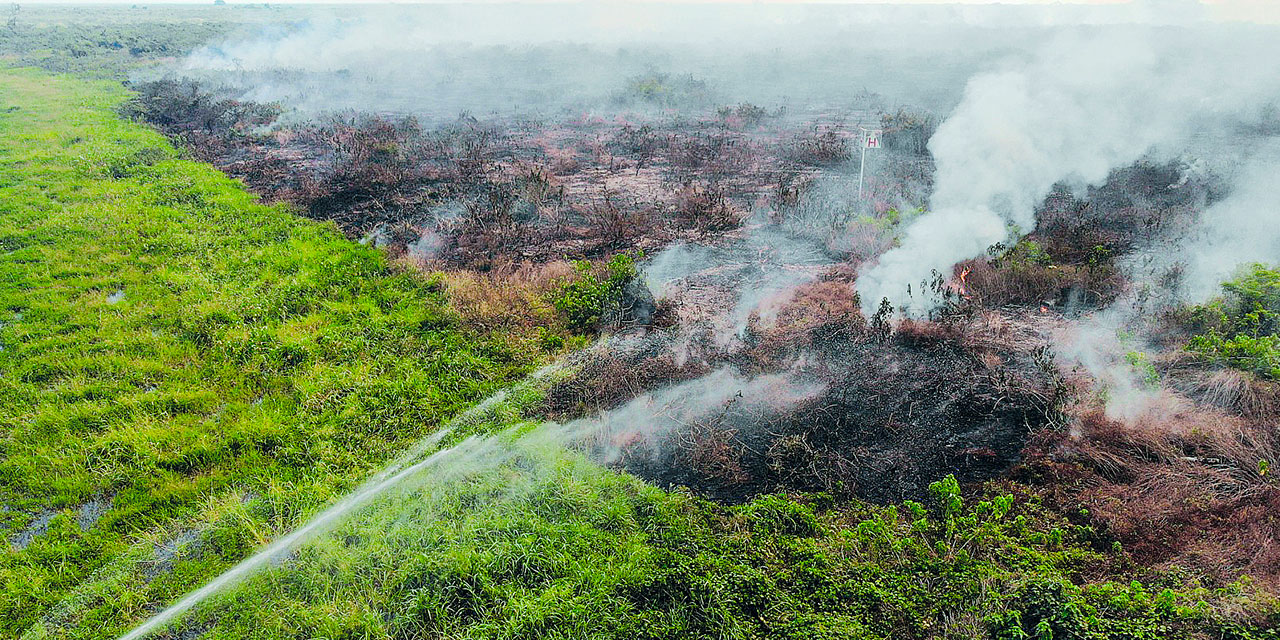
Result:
{"points": [[1079, 108], [440, 59], [1036, 96], [1244, 228]]}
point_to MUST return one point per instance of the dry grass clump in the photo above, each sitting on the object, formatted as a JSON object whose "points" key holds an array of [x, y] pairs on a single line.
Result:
{"points": [[991, 330], [509, 299], [812, 313], [1180, 485], [1239, 393]]}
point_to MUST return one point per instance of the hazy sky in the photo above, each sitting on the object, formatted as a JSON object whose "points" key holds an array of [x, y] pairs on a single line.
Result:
{"points": [[1264, 11]]}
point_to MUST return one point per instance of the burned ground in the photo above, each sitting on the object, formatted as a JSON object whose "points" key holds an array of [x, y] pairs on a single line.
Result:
{"points": [[897, 410], [487, 194], [498, 206], [895, 415]]}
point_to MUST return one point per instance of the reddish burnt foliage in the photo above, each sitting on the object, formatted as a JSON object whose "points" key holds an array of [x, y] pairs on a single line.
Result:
{"points": [[812, 314], [498, 193], [1069, 259], [1181, 487]]}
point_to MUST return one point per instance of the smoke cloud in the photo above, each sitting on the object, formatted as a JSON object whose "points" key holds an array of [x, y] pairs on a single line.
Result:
{"points": [[1244, 228], [1083, 105]]}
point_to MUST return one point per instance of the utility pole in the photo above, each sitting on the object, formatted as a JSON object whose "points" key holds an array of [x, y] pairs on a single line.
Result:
{"points": [[870, 140]]}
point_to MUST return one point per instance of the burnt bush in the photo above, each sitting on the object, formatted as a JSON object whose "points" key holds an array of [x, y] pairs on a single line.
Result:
{"points": [[1071, 256], [486, 236], [374, 166], [183, 105], [614, 219], [706, 209], [1135, 204], [466, 151], [607, 378], [744, 115], [908, 131], [642, 143], [704, 155], [819, 147]]}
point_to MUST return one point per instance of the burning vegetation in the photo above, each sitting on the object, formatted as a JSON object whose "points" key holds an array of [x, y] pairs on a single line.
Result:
{"points": [[500, 209], [838, 367]]}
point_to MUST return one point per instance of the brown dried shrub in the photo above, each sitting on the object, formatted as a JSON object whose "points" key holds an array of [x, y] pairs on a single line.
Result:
{"points": [[713, 451], [1180, 485], [991, 284], [795, 462], [706, 209], [819, 147], [614, 219], [606, 379], [510, 299]]}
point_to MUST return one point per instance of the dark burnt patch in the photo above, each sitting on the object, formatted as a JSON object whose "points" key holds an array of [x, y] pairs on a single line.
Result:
{"points": [[894, 415], [893, 409]]}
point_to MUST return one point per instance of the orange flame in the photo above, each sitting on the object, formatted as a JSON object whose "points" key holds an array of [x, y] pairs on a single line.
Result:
{"points": [[962, 286]]}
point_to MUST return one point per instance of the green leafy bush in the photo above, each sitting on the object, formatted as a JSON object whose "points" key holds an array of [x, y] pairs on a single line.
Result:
{"points": [[1240, 328], [585, 299]]}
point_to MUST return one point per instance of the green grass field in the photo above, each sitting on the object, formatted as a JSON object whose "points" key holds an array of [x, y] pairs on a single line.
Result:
{"points": [[172, 348], [188, 374], [107, 41]]}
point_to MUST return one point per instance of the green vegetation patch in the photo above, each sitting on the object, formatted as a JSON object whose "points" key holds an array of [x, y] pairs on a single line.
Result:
{"points": [[1240, 328], [107, 41], [174, 352], [589, 296]]}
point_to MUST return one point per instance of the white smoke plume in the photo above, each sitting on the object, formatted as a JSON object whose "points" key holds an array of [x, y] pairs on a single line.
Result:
{"points": [[1087, 103], [1244, 228]]}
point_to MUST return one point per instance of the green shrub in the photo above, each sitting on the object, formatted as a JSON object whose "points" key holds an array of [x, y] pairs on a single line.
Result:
{"points": [[1240, 328], [777, 514], [1025, 254], [584, 300]]}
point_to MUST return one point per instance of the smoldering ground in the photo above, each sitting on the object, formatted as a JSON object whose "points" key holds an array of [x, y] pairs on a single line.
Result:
{"points": [[1082, 106], [785, 309]]}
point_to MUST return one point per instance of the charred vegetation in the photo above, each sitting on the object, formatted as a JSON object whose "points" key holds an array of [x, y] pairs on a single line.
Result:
{"points": [[521, 219]]}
